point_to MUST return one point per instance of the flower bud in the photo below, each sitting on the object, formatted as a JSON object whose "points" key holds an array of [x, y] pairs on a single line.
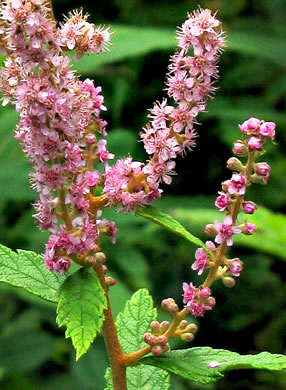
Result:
{"points": [[164, 326], [205, 292], [100, 257], [240, 149], [253, 123], [225, 185], [254, 143], [187, 337], [165, 348], [162, 340], [267, 129], [211, 302], [192, 328], [262, 169], [259, 179], [155, 326], [183, 324], [228, 281], [249, 207], [109, 281], [156, 350], [234, 164], [90, 138], [210, 229]]}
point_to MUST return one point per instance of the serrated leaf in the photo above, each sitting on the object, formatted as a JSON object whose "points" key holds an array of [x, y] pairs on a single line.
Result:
{"points": [[131, 325], [195, 364], [81, 306], [168, 222], [27, 270]]}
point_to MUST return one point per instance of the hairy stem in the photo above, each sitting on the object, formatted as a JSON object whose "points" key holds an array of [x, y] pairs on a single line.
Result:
{"points": [[113, 347]]}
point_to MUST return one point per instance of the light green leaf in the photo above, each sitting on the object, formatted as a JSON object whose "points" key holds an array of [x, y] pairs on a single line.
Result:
{"points": [[168, 222], [80, 308], [196, 364], [14, 181], [131, 326], [27, 270]]}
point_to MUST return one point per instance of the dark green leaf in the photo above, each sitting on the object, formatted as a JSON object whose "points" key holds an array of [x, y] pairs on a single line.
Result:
{"points": [[80, 308], [27, 270], [168, 222], [207, 365]]}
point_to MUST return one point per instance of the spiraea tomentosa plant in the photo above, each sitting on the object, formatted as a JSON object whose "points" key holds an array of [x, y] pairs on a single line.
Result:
{"points": [[63, 133]]}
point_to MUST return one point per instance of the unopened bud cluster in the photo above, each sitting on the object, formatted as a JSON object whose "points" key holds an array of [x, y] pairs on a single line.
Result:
{"points": [[157, 340], [256, 133]]}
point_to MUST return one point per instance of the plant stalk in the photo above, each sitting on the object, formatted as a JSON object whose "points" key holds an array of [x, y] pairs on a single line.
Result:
{"points": [[113, 347]]}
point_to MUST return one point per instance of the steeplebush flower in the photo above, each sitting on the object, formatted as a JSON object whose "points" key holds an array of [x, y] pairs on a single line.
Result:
{"points": [[231, 201]]}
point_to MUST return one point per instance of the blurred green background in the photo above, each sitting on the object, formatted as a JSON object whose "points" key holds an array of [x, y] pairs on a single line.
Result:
{"points": [[249, 318]]}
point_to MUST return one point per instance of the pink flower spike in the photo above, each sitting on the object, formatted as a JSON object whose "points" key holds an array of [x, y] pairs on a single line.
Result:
{"points": [[254, 143], [225, 231], [237, 184]]}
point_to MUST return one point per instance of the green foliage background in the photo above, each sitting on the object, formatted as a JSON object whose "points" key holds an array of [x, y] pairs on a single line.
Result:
{"points": [[249, 318]]}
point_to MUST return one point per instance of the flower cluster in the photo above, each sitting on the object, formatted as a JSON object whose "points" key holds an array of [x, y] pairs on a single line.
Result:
{"points": [[171, 128], [230, 200], [59, 118]]}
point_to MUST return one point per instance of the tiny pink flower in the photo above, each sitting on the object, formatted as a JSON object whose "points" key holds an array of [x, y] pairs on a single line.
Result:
{"points": [[249, 207], [91, 178], [267, 129], [235, 267], [201, 260], [254, 143], [226, 230], [211, 245], [239, 148], [222, 201], [253, 123], [205, 292], [262, 169], [90, 138], [189, 293], [237, 184], [250, 228]]}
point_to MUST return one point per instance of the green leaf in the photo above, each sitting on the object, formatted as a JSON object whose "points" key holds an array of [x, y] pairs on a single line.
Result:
{"points": [[14, 182], [81, 307], [168, 222], [131, 326], [263, 46], [24, 351], [27, 270], [193, 364]]}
